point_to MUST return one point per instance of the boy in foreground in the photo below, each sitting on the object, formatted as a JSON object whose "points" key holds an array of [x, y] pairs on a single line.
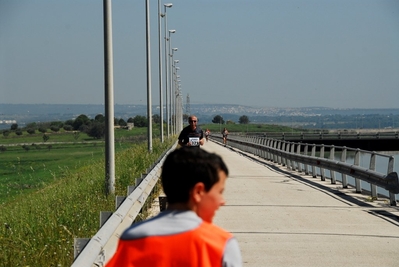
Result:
{"points": [[183, 235]]}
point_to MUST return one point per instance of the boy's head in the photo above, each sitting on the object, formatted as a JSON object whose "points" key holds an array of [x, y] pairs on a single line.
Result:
{"points": [[185, 170]]}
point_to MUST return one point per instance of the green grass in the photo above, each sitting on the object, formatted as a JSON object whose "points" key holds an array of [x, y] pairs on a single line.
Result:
{"points": [[63, 136], [38, 227], [23, 170]]}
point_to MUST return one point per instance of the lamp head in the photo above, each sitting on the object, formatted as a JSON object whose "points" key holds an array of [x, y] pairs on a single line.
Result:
{"points": [[172, 31], [168, 5]]}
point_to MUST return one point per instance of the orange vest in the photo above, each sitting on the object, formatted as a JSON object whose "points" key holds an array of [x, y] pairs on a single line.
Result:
{"points": [[200, 247]]}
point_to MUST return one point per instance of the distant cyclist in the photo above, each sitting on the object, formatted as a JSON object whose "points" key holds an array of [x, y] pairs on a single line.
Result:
{"points": [[225, 133]]}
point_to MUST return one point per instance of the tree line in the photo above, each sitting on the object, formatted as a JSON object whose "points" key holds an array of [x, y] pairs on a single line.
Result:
{"points": [[95, 127], [219, 119], [92, 127]]}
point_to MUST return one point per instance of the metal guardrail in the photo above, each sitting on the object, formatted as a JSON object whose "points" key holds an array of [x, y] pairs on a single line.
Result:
{"points": [[100, 248], [337, 135], [298, 156]]}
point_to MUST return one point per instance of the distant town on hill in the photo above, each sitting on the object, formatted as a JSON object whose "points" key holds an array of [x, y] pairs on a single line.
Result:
{"points": [[306, 117]]}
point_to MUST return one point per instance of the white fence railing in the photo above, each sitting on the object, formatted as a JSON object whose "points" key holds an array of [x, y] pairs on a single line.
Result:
{"points": [[311, 159]]}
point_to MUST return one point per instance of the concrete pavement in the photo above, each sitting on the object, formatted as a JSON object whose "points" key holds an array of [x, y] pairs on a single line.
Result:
{"points": [[281, 218]]}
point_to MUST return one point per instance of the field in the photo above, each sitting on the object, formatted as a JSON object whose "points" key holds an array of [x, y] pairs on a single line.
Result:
{"points": [[53, 192], [51, 195], [29, 164]]}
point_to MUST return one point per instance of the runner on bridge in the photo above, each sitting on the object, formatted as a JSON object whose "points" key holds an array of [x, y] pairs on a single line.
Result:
{"points": [[192, 135]]}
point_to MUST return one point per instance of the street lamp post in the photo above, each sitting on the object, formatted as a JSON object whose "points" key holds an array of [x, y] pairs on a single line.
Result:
{"points": [[109, 100], [149, 103], [175, 93], [169, 5], [171, 79], [168, 89], [160, 15]]}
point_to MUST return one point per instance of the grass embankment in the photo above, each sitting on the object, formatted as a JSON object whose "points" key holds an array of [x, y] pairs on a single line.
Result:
{"points": [[39, 226], [27, 163]]}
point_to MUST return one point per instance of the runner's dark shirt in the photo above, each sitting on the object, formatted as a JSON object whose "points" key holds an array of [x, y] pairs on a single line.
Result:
{"points": [[186, 134]]}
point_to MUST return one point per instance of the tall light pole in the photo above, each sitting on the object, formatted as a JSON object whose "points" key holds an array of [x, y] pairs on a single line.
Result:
{"points": [[149, 104], [179, 112], [170, 61], [160, 70], [180, 108], [109, 101], [169, 5], [175, 61]]}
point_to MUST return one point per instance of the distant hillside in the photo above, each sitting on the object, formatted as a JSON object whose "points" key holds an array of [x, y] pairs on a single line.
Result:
{"points": [[311, 117]]}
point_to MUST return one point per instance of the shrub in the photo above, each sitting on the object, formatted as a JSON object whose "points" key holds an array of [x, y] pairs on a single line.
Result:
{"points": [[6, 133], [42, 129], [54, 128], [68, 127]]}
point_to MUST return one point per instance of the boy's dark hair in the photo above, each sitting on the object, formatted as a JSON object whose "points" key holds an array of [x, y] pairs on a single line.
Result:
{"points": [[185, 167]]}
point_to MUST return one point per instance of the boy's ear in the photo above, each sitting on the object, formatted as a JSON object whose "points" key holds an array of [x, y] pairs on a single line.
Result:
{"points": [[197, 192]]}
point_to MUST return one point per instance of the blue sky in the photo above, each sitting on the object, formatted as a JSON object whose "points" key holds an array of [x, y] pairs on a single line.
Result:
{"points": [[265, 53]]}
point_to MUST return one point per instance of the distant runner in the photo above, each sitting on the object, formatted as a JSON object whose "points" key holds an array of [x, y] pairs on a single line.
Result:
{"points": [[225, 133], [207, 134]]}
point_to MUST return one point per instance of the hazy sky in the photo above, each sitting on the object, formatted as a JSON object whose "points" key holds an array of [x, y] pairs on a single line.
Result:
{"points": [[267, 53]]}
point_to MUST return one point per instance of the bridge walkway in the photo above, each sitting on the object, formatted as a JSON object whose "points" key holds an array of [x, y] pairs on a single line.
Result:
{"points": [[281, 218]]}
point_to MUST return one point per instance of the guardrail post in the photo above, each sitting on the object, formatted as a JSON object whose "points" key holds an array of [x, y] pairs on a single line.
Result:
{"points": [[283, 160], [391, 163], [258, 151], [104, 216], [323, 177], [373, 187], [268, 144], [298, 151], [293, 163], [277, 145], [313, 154], [357, 163], [305, 152], [264, 151], [118, 201], [130, 189], [137, 181], [78, 245], [287, 149], [332, 173], [343, 159]]}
